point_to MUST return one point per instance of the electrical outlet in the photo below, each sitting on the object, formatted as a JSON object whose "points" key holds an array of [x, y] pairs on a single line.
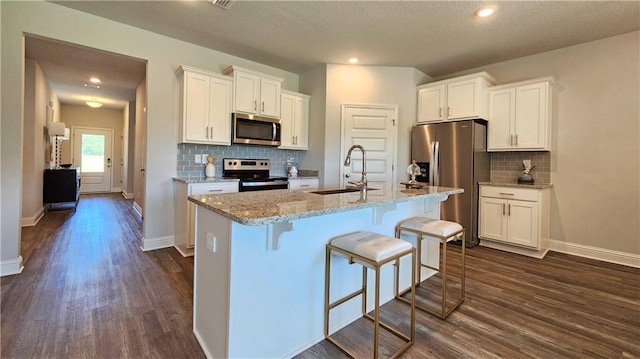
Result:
{"points": [[211, 242], [198, 158]]}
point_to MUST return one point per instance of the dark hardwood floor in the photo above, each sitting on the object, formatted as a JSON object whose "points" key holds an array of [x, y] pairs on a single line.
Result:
{"points": [[88, 291]]}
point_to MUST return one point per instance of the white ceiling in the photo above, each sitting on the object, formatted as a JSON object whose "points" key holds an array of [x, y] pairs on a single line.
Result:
{"points": [[435, 37]]}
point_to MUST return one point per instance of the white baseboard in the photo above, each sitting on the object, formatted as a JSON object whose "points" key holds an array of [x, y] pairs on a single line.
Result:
{"points": [[149, 244], [32, 221], [204, 348], [606, 255], [138, 209], [127, 195], [10, 267]]}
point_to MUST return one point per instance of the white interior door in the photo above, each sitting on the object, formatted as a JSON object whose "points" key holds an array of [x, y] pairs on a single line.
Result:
{"points": [[92, 152], [374, 128]]}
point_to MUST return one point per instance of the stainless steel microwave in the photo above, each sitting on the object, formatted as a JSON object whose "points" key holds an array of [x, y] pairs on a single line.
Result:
{"points": [[255, 130]]}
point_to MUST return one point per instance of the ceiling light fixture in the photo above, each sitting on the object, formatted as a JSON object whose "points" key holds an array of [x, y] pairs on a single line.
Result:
{"points": [[485, 11], [94, 104], [95, 80], [353, 60]]}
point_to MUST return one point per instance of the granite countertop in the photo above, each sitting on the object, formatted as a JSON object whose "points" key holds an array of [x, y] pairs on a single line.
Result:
{"points": [[518, 185], [264, 207], [204, 179]]}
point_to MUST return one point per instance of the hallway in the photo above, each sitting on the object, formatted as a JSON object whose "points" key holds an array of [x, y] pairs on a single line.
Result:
{"points": [[87, 290]]}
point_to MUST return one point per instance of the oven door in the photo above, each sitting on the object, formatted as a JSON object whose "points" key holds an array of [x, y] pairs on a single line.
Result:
{"points": [[254, 130], [250, 185]]}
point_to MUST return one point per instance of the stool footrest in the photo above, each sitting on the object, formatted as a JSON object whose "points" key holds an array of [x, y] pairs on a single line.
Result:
{"points": [[347, 298], [391, 329]]}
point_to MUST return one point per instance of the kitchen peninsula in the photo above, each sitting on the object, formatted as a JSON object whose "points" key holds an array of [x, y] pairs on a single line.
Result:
{"points": [[259, 264]]}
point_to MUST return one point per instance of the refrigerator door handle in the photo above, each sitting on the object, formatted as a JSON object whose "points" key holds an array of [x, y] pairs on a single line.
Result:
{"points": [[436, 165], [431, 163]]}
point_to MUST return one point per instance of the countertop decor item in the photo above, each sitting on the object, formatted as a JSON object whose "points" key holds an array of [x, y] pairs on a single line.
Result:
{"points": [[413, 170], [526, 177], [210, 169]]}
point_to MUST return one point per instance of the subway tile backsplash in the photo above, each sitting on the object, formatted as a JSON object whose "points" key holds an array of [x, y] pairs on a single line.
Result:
{"points": [[506, 167], [187, 167]]}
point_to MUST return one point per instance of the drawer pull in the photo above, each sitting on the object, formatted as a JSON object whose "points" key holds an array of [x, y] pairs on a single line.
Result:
{"points": [[304, 185], [215, 190], [507, 194]]}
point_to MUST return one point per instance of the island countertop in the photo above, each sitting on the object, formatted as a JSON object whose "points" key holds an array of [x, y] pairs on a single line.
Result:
{"points": [[265, 207]]}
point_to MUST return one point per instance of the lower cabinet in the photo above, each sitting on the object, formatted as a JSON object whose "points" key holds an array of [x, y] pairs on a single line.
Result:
{"points": [[516, 217], [304, 184], [184, 238]]}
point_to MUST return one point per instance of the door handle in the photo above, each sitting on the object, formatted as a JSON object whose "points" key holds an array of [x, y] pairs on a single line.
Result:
{"points": [[509, 210], [347, 175]]}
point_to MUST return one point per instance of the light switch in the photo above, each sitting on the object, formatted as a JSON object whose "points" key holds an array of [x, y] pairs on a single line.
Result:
{"points": [[198, 158]]}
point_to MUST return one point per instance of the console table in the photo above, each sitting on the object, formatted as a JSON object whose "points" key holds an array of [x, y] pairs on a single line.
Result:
{"points": [[61, 185]]}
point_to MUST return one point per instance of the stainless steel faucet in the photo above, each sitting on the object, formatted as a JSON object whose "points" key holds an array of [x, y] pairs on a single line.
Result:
{"points": [[362, 184]]}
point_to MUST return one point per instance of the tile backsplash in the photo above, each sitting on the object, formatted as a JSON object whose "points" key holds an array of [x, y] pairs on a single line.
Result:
{"points": [[187, 166], [506, 167]]}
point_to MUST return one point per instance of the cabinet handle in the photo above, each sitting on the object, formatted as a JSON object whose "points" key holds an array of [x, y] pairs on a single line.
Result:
{"points": [[506, 194], [509, 209], [503, 209], [255, 105], [206, 132], [215, 190], [448, 112], [440, 113], [304, 185], [262, 106]]}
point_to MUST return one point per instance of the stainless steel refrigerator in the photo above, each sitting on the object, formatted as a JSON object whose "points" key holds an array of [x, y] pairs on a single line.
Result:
{"points": [[454, 154]]}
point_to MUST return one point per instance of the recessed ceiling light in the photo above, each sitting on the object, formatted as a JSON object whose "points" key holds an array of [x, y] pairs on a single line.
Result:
{"points": [[95, 80], [353, 60], [485, 11]]}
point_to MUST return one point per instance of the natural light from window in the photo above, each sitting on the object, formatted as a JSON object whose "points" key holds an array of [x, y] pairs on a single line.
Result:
{"points": [[92, 153]]}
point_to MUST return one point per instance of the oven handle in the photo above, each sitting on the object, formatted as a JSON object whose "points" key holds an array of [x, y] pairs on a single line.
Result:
{"points": [[259, 184]]}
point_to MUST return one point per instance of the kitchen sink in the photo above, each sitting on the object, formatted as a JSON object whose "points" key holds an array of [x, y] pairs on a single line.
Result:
{"points": [[340, 190]]}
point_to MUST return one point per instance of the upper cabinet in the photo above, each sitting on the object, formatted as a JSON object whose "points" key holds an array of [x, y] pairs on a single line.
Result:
{"points": [[254, 92], [205, 107], [456, 98], [294, 120], [520, 116]]}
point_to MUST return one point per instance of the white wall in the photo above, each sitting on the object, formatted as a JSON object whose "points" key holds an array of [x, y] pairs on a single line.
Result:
{"points": [[164, 56], [314, 83], [370, 85], [595, 155]]}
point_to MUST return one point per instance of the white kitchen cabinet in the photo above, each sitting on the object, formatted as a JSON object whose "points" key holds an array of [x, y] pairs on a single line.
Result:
{"points": [[515, 216], [456, 98], [294, 120], [205, 107], [254, 92], [304, 184], [520, 116], [185, 211]]}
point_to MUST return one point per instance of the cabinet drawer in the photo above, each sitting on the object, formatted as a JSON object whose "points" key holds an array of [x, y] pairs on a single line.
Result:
{"points": [[523, 194], [304, 184], [212, 188]]}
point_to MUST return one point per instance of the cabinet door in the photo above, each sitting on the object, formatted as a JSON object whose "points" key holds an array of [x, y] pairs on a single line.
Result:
{"points": [[523, 223], [301, 122], [531, 117], [431, 104], [247, 92], [269, 98], [502, 114], [493, 219], [462, 99], [196, 107], [287, 109], [220, 91]]}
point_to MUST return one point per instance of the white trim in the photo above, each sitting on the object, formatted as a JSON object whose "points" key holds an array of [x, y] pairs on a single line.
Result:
{"points": [[149, 244], [12, 266], [606, 255], [137, 208], [116, 189], [529, 252], [202, 343], [127, 195], [32, 221]]}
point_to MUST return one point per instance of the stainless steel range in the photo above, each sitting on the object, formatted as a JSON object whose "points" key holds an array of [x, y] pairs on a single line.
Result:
{"points": [[253, 174]]}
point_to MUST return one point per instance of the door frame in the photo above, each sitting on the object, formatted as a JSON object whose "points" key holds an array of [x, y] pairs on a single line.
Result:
{"points": [[343, 148], [73, 149]]}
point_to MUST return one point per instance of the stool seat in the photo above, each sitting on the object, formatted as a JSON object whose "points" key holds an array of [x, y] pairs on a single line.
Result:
{"points": [[373, 246], [436, 227]]}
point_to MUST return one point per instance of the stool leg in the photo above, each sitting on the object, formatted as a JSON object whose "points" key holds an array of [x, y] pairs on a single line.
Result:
{"points": [[464, 242], [364, 290], [419, 239], [413, 296], [376, 324], [327, 278], [443, 273]]}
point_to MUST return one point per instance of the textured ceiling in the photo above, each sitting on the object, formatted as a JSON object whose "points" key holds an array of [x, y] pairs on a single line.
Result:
{"points": [[435, 37]]}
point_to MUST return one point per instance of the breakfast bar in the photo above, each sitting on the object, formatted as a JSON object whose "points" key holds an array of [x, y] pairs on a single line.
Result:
{"points": [[259, 263]]}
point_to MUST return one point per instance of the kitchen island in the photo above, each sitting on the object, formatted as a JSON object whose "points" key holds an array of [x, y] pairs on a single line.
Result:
{"points": [[259, 264]]}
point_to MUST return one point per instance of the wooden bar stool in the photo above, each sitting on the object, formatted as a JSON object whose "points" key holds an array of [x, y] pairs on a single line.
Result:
{"points": [[371, 250], [444, 232]]}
